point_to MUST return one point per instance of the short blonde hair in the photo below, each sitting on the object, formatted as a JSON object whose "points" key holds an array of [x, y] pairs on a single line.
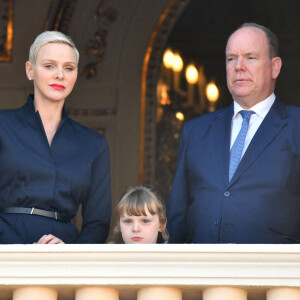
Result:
{"points": [[133, 202], [47, 37]]}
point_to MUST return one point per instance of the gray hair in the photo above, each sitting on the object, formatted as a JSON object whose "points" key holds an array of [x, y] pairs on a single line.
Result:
{"points": [[270, 36], [47, 37]]}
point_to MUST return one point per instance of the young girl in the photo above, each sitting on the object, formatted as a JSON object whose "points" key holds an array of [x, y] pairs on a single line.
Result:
{"points": [[141, 217]]}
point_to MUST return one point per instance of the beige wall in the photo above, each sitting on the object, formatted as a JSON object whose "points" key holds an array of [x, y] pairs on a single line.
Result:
{"points": [[118, 83]]}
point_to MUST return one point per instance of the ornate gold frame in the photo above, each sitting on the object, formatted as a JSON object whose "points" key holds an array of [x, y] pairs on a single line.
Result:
{"points": [[150, 73], [6, 39]]}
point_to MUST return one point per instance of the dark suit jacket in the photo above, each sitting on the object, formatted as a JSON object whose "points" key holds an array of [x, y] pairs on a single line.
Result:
{"points": [[262, 202]]}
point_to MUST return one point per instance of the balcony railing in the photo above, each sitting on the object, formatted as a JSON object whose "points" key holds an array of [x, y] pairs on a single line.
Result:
{"points": [[144, 272]]}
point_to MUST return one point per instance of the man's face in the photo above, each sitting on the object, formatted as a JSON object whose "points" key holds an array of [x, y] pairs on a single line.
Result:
{"points": [[250, 72]]}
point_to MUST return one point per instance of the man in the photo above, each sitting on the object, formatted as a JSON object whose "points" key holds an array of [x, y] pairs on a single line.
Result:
{"points": [[238, 169]]}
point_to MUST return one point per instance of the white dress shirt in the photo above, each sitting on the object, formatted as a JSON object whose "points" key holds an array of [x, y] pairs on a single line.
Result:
{"points": [[261, 109]]}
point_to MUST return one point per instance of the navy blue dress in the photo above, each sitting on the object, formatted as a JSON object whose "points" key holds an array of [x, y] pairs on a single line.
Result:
{"points": [[74, 170]]}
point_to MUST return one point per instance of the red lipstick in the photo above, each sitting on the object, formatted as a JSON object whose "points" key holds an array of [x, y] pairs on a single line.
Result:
{"points": [[57, 86]]}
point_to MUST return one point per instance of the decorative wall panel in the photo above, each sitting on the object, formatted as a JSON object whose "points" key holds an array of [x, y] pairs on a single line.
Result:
{"points": [[6, 30]]}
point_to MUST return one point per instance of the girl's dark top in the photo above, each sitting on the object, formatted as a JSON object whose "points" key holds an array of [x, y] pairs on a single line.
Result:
{"points": [[74, 170]]}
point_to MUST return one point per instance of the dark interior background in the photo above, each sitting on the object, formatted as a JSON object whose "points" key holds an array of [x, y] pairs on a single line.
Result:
{"points": [[201, 32]]}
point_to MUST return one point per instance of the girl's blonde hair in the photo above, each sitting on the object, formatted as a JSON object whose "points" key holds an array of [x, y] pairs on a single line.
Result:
{"points": [[133, 203]]}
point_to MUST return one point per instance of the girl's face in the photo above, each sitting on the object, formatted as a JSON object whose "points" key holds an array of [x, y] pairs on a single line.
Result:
{"points": [[54, 73], [140, 229]]}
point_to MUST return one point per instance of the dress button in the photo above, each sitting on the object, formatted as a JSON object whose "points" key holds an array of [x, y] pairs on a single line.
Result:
{"points": [[226, 194]]}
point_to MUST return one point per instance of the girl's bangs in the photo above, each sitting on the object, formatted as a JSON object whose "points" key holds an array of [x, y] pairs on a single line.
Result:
{"points": [[136, 205]]}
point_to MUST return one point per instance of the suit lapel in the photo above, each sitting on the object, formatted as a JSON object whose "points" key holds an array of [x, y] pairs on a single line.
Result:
{"points": [[221, 132], [274, 121]]}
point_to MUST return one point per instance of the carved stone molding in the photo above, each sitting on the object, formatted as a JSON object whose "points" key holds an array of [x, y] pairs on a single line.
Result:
{"points": [[88, 113], [91, 112], [6, 30], [59, 15], [151, 69], [96, 47]]}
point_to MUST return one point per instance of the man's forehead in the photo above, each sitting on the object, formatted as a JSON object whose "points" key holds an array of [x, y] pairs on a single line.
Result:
{"points": [[249, 39], [248, 31]]}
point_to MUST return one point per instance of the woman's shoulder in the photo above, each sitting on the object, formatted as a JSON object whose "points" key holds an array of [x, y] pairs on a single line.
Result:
{"points": [[9, 114], [87, 135]]}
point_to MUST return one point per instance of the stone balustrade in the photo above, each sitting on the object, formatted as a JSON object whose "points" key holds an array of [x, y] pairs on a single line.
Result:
{"points": [[150, 272]]}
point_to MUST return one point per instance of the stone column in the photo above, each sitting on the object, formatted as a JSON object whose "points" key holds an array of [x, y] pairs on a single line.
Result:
{"points": [[159, 293], [34, 293], [224, 293], [283, 293], [96, 293]]}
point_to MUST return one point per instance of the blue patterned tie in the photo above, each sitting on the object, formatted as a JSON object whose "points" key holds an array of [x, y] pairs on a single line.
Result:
{"points": [[238, 146]]}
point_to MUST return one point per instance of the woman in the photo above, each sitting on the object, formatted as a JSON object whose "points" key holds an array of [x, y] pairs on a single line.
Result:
{"points": [[49, 164]]}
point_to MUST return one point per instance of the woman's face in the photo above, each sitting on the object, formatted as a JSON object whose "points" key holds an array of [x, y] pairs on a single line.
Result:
{"points": [[140, 229], [54, 73]]}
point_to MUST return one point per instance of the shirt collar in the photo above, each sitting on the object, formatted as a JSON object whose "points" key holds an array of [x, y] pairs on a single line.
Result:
{"points": [[261, 108]]}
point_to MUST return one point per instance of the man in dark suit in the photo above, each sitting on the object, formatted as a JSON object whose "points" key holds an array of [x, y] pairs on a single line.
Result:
{"points": [[238, 169]]}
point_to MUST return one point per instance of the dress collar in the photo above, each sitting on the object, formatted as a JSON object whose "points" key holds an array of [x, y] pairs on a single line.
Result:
{"points": [[32, 116]]}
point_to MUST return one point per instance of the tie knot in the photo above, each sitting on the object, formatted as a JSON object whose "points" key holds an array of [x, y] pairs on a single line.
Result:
{"points": [[246, 114]]}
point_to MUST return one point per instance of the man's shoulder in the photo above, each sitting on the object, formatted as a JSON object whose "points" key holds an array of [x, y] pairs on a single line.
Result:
{"points": [[207, 119], [293, 110], [278, 103], [287, 111]]}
